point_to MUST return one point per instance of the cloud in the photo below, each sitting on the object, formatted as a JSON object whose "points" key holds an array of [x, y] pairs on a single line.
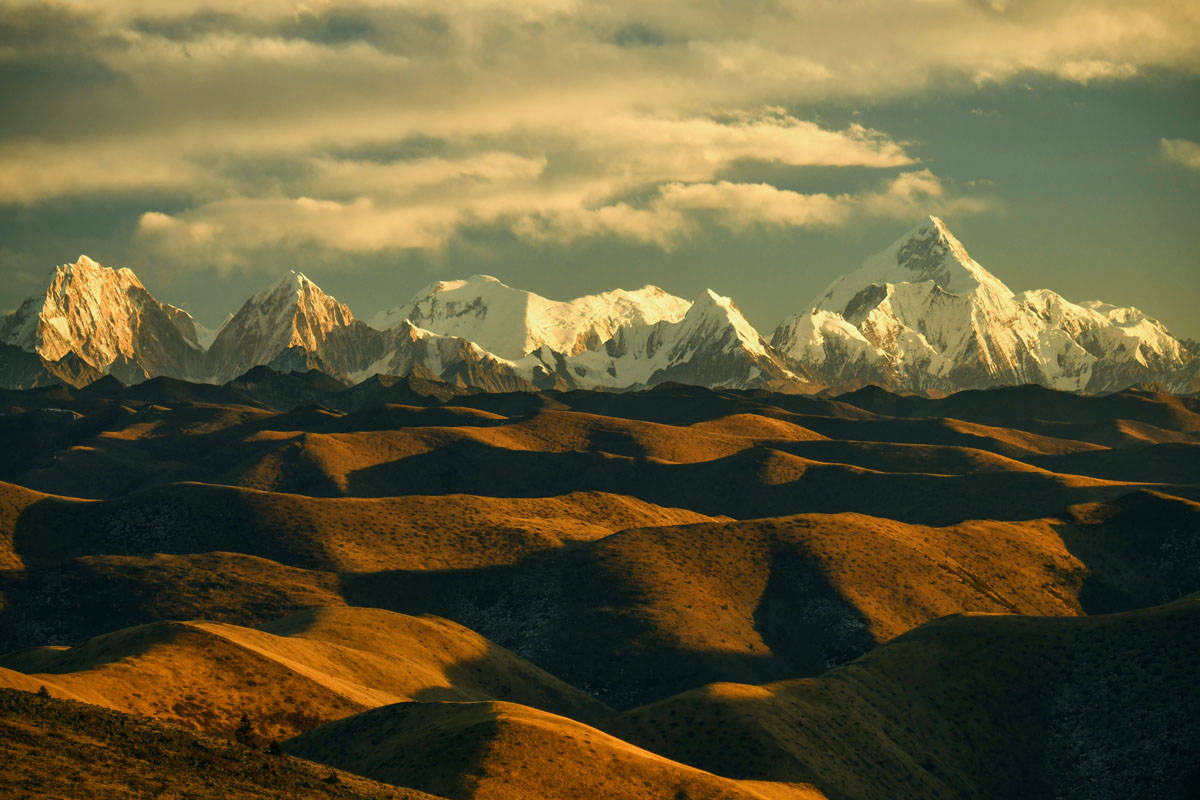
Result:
{"points": [[31, 172], [1181, 151], [273, 124], [1090, 70], [677, 210], [672, 214]]}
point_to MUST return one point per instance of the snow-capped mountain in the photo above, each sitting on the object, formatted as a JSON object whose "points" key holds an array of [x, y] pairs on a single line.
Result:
{"points": [[293, 325], [105, 320], [924, 315], [920, 316], [511, 323], [713, 345], [409, 349]]}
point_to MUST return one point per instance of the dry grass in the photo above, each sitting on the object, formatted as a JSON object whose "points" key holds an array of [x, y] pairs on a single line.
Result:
{"points": [[632, 547], [296, 673], [502, 751], [968, 706], [59, 750]]}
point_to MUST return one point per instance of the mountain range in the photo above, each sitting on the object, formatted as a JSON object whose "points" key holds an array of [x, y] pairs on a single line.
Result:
{"points": [[921, 316]]}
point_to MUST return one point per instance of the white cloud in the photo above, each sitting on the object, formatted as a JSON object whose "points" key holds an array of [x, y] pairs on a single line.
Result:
{"points": [[1086, 71], [1181, 151], [674, 212], [545, 115]]}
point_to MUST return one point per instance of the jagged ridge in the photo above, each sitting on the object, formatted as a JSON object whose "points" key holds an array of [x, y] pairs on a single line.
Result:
{"points": [[921, 316]]}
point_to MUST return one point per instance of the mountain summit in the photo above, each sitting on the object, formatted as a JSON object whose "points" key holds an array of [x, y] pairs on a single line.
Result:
{"points": [[105, 319], [923, 315], [291, 325], [927, 253], [512, 323], [713, 345], [919, 316]]}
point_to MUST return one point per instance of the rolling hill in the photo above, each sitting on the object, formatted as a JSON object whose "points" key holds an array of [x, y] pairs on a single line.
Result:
{"points": [[877, 594]]}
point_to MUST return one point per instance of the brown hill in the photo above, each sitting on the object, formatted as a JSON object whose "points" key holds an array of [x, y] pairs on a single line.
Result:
{"points": [[295, 673], [351, 534], [59, 749], [667, 608], [1031, 406], [91, 595], [762, 599], [831, 456], [503, 751], [635, 545], [967, 707]]}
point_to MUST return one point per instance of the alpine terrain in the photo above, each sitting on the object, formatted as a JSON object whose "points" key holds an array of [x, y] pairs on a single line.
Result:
{"points": [[921, 316]]}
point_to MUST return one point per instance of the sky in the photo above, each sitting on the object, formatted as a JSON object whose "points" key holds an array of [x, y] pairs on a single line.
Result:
{"points": [[760, 148]]}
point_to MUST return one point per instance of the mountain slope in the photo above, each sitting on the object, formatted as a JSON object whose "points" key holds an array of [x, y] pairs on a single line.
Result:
{"points": [[294, 673], [292, 325], [713, 345], [106, 319], [511, 323], [974, 706], [61, 749], [408, 348], [923, 315], [920, 316], [504, 751]]}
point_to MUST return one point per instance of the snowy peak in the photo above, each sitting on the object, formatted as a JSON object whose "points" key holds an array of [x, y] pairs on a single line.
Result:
{"points": [[481, 309], [712, 345], [293, 313], [512, 323], [923, 315], [927, 253], [306, 312], [85, 272], [103, 317], [713, 314]]}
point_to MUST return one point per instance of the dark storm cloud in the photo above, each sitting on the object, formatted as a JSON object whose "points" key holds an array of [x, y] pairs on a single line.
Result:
{"points": [[50, 75]]}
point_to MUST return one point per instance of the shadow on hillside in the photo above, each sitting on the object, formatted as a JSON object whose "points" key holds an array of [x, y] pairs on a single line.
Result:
{"points": [[760, 481], [1167, 463], [187, 518], [578, 615], [569, 615], [808, 625], [1141, 550], [92, 595]]}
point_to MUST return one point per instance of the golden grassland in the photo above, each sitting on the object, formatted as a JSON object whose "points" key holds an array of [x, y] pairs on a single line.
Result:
{"points": [[966, 706], [60, 750], [860, 597], [298, 672], [502, 751]]}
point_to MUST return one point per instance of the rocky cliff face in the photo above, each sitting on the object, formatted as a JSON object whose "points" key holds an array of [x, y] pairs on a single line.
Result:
{"points": [[291, 325], [713, 345], [107, 320]]}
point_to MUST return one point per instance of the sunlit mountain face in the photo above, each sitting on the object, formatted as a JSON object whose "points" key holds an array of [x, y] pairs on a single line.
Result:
{"points": [[919, 316], [482, 400]]}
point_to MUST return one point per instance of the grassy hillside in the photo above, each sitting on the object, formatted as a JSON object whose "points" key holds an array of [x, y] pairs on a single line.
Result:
{"points": [[885, 596], [60, 749], [502, 751], [968, 706], [666, 608], [293, 674], [347, 534]]}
